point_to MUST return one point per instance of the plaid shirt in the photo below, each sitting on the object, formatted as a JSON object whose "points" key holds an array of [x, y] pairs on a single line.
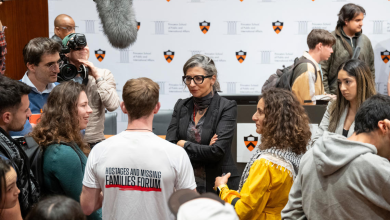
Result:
{"points": [[3, 51]]}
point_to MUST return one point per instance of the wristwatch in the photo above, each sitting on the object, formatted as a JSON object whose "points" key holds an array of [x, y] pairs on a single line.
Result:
{"points": [[99, 79]]}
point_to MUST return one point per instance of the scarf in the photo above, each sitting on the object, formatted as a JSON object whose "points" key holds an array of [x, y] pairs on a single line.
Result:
{"points": [[289, 156], [204, 102]]}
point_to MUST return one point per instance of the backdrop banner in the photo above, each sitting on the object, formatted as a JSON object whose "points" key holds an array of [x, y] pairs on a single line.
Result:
{"points": [[247, 39]]}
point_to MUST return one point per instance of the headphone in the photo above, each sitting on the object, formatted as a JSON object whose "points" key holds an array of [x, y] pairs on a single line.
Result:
{"points": [[72, 41]]}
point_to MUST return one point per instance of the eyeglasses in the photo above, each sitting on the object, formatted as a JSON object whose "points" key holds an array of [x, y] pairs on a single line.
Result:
{"points": [[69, 28], [197, 79], [53, 67]]}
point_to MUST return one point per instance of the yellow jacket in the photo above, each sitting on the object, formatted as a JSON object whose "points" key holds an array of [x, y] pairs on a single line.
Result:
{"points": [[265, 193]]}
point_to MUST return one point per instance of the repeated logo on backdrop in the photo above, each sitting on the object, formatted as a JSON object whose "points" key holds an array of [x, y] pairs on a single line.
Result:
{"points": [[278, 26], [240, 55], [385, 55], [204, 26], [138, 25], [251, 142], [169, 55], [100, 54]]}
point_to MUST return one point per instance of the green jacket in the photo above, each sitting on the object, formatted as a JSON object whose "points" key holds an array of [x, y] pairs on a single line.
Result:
{"points": [[342, 51], [63, 173]]}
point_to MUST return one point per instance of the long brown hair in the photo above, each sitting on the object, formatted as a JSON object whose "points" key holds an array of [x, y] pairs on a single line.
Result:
{"points": [[59, 121], [365, 87], [286, 124]]}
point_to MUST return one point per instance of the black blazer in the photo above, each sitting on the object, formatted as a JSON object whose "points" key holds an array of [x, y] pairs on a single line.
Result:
{"points": [[221, 120]]}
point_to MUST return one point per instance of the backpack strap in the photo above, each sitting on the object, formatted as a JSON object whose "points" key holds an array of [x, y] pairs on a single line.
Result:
{"points": [[73, 147], [30, 141], [359, 45], [305, 60]]}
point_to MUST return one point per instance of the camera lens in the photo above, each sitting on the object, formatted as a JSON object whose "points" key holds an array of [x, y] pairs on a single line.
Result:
{"points": [[67, 72]]}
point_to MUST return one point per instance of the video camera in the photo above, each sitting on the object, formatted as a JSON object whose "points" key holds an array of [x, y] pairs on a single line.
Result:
{"points": [[69, 71]]}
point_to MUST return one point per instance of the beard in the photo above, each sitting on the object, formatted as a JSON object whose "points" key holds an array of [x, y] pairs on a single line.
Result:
{"points": [[16, 126]]}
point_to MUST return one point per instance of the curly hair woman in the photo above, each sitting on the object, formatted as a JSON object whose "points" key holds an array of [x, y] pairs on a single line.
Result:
{"points": [[58, 132], [268, 177]]}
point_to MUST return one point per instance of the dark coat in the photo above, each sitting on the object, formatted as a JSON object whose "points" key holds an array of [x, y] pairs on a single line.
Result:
{"points": [[342, 51], [221, 120]]}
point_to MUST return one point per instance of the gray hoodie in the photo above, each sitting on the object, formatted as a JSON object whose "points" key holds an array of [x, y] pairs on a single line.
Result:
{"points": [[340, 179]]}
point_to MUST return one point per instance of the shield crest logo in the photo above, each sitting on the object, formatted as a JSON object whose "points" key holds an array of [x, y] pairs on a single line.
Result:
{"points": [[251, 142], [100, 54], [204, 26], [138, 25], [169, 55], [385, 55], [241, 55], [278, 26]]}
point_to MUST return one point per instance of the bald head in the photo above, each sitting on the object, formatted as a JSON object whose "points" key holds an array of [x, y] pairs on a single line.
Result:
{"points": [[64, 25]]}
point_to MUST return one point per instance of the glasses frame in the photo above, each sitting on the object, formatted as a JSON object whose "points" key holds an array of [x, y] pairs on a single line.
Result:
{"points": [[69, 28], [59, 63], [192, 79]]}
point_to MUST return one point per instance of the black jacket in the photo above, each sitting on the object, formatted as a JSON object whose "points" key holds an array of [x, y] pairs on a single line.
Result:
{"points": [[221, 120], [29, 190]]}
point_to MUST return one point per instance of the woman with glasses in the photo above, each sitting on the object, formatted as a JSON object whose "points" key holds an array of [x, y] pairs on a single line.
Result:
{"points": [[204, 123]]}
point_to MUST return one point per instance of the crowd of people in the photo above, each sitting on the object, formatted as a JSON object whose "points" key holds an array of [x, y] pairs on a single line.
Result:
{"points": [[74, 173]]}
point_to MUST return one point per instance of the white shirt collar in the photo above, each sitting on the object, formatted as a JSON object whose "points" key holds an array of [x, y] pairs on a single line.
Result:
{"points": [[307, 55], [27, 81]]}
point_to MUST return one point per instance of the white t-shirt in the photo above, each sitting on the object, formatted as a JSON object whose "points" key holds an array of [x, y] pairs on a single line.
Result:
{"points": [[138, 172]]}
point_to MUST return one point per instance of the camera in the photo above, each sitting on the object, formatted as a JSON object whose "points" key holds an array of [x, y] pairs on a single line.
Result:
{"points": [[69, 71]]}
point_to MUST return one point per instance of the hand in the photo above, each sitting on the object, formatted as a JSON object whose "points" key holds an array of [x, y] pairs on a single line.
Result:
{"points": [[332, 96], [93, 70], [181, 143], [213, 139], [221, 180]]}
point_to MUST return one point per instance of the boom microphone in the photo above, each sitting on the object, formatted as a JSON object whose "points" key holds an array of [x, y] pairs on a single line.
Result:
{"points": [[118, 19]]}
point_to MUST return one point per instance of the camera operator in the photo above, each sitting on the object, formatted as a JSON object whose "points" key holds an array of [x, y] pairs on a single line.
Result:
{"points": [[42, 59], [101, 90]]}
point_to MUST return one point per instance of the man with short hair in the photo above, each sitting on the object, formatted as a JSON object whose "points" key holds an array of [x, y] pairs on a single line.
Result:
{"points": [[41, 56], [136, 170], [347, 178], [101, 92], [348, 34], [14, 110], [63, 26], [307, 78]]}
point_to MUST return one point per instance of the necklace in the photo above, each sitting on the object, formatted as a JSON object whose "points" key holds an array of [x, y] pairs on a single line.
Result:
{"points": [[138, 129]]}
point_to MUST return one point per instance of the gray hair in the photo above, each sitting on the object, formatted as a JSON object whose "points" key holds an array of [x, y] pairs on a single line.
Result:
{"points": [[207, 64], [35, 48]]}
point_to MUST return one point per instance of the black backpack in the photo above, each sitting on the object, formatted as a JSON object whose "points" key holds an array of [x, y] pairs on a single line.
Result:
{"points": [[35, 155], [27, 184], [283, 78]]}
